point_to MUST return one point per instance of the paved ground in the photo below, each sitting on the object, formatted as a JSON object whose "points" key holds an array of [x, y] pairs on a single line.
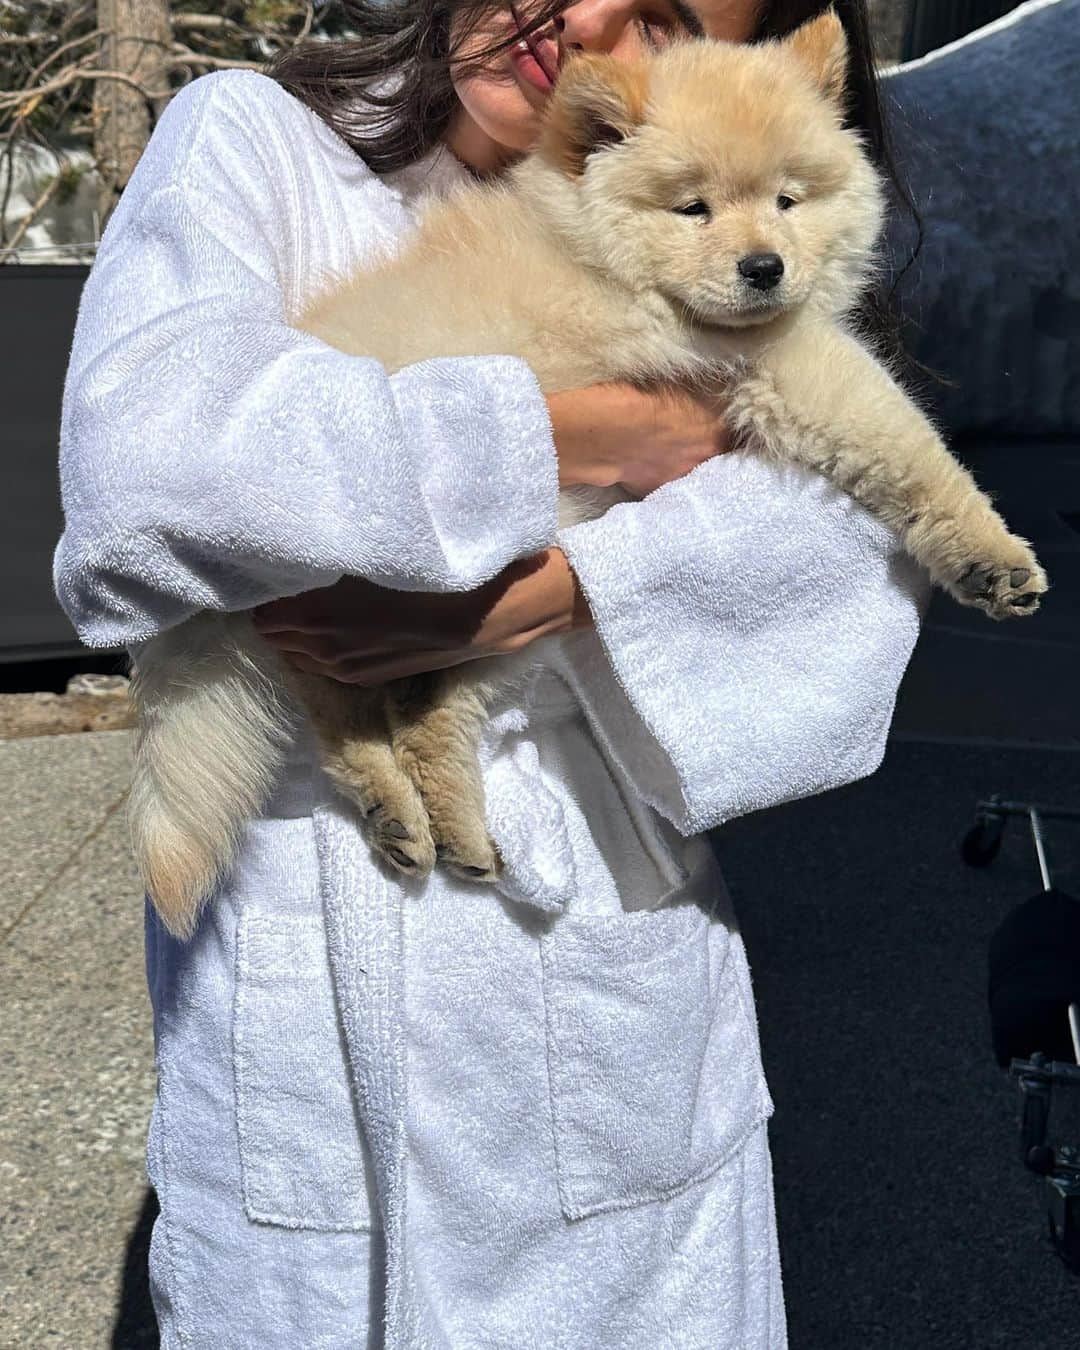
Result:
{"points": [[75, 1045]]}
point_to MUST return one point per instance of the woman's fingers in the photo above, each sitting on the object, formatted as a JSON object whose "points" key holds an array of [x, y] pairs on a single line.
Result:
{"points": [[326, 609], [333, 657], [401, 665], [322, 649]]}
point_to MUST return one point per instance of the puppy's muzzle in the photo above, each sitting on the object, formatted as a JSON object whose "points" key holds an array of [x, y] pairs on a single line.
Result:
{"points": [[762, 271]]}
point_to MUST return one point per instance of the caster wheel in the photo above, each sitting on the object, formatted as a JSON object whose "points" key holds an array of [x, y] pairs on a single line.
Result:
{"points": [[1066, 1246]]}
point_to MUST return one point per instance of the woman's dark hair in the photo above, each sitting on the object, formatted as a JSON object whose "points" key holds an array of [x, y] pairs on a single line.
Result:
{"points": [[404, 47]]}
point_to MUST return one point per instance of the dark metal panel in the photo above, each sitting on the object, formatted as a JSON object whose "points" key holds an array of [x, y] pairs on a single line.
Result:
{"points": [[38, 305]]}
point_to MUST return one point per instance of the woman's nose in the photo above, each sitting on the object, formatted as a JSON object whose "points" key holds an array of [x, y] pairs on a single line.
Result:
{"points": [[592, 25]]}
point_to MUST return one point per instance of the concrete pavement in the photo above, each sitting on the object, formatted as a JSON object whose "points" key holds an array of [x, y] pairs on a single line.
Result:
{"points": [[76, 1047]]}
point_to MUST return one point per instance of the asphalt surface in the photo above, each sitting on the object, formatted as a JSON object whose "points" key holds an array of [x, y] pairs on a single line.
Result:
{"points": [[906, 1219]]}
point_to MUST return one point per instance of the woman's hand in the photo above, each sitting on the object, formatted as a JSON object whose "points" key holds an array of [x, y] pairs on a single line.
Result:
{"points": [[360, 633], [616, 433]]}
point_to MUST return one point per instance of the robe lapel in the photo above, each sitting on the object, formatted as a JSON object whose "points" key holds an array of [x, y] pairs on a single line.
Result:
{"points": [[362, 908]]}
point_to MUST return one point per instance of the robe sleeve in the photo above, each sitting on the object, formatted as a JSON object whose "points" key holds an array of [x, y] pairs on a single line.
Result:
{"points": [[212, 456], [752, 625]]}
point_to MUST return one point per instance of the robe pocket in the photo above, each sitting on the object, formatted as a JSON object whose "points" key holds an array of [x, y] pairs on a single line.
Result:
{"points": [[653, 1060], [303, 1159]]}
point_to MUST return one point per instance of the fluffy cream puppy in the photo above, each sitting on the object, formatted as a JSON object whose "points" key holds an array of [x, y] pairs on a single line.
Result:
{"points": [[703, 217]]}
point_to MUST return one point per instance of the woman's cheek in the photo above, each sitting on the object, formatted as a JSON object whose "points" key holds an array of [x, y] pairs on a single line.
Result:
{"points": [[493, 98]]}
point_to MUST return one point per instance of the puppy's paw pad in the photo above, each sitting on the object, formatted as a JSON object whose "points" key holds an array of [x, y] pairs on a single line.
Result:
{"points": [[408, 848], [1002, 589]]}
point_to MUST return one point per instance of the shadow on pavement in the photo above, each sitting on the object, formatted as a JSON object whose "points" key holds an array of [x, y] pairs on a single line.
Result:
{"points": [[135, 1327]]}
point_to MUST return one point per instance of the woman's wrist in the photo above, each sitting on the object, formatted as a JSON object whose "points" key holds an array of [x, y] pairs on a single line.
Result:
{"points": [[544, 599], [578, 613]]}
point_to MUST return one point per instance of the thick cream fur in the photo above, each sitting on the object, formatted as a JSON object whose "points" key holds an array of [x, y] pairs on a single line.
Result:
{"points": [[212, 727], [579, 261]]}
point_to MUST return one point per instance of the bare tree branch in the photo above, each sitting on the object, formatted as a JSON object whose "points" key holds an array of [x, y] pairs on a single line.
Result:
{"points": [[210, 23], [55, 81], [39, 70], [184, 56], [26, 39], [24, 98], [28, 219]]}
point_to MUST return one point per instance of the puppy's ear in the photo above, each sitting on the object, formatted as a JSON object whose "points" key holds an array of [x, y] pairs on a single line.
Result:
{"points": [[598, 101], [822, 47]]}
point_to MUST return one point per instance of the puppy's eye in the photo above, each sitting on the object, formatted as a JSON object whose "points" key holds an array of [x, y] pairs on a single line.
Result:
{"points": [[785, 203], [698, 208]]}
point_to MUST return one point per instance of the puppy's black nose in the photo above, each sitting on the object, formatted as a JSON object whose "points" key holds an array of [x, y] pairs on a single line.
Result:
{"points": [[762, 270]]}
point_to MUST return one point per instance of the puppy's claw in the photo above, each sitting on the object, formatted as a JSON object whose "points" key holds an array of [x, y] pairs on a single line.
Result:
{"points": [[407, 847], [489, 870]]}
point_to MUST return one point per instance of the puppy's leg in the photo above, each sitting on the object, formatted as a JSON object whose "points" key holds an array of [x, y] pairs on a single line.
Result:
{"points": [[354, 736], [435, 724], [818, 397]]}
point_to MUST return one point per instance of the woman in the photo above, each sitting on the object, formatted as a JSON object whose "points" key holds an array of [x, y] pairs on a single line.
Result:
{"points": [[443, 1115]]}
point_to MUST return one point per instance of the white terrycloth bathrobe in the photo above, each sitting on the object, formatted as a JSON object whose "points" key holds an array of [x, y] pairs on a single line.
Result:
{"points": [[443, 1115]]}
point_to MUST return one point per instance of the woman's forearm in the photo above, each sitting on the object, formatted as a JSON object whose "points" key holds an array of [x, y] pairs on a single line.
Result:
{"points": [[581, 422], [616, 433]]}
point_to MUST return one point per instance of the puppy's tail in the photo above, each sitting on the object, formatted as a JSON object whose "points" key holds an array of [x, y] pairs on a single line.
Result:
{"points": [[212, 732]]}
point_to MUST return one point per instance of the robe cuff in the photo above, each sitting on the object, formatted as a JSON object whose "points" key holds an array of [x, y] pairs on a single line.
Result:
{"points": [[752, 625]]}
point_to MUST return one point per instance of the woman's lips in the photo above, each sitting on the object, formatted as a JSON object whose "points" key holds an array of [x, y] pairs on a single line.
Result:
{"points": [[536, 58], [530, 67]]}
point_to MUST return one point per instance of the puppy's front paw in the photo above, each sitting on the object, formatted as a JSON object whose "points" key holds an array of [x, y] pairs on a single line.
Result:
{"points": [[1005, 587]]}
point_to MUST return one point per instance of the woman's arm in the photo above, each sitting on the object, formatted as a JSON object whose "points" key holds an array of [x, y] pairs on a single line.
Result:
{"points": [[754, 624], [214, 457]]}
